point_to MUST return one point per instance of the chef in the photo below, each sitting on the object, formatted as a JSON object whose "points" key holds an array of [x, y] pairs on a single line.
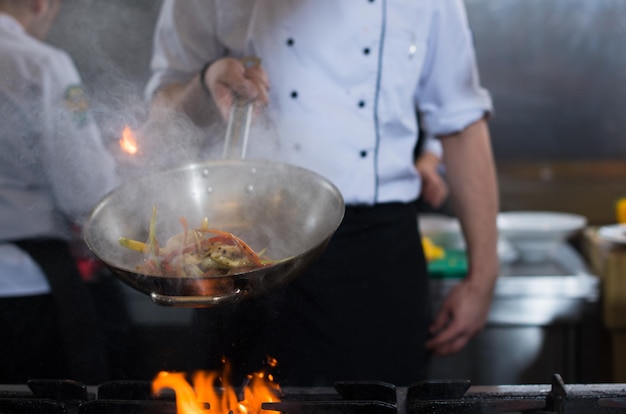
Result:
{"points": [[343, 83], [53, 169]]}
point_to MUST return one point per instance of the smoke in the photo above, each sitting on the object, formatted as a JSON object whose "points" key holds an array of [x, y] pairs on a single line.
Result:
{"points": [[111, 43]]}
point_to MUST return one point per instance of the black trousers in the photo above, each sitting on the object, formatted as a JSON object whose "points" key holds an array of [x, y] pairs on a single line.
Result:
{"points": [[57, 335], [360, 312]]}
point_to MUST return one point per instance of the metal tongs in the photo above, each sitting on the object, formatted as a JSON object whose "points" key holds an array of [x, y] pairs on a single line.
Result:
{"points": [[235, 146], [239, 120]]}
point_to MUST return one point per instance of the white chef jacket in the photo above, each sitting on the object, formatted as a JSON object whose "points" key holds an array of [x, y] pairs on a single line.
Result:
{"points": [[347, 78], [53, 164]]}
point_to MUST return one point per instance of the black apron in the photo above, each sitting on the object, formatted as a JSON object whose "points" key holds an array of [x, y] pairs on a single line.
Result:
{"points": [[361, 312], [77, 321]]}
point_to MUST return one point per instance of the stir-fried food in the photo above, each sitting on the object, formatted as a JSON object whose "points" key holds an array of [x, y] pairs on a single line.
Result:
{"points": [[197, 252]]}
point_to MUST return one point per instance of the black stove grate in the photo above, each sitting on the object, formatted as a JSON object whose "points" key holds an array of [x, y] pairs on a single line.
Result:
{"points": [[450, 397]]}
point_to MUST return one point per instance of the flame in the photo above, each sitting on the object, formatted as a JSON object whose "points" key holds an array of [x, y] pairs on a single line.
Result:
{"points": [[128, 143], [212, 394]]}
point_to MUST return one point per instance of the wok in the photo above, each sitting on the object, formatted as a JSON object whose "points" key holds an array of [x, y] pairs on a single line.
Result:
{"points": [[289, 211]]}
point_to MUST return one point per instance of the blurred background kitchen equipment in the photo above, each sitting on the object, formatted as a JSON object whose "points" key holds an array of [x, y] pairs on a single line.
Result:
{"points": [[614, 233], [536, 235], [445, 231]]}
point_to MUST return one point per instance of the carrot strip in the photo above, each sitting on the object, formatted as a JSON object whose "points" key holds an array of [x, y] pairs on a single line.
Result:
{"points": [[183, 221]]}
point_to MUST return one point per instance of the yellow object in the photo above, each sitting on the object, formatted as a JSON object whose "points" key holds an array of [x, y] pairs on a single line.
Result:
{"points": [[620, 210], [133, 245], [431, 250]]}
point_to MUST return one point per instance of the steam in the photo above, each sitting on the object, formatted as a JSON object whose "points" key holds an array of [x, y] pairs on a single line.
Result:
{"points": [[111, 44], [112, 51]]}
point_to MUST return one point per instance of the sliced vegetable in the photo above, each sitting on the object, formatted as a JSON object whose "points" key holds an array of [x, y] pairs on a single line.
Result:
{"points": [[133, 245], [199, 252]]}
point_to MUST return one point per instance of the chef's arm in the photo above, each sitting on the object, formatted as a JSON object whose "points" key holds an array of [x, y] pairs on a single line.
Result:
{"points": [[188, 98], [212, 90], [471, 175]]}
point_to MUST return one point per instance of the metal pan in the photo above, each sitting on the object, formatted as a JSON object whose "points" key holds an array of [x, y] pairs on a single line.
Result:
{"points": [[290, 211]]}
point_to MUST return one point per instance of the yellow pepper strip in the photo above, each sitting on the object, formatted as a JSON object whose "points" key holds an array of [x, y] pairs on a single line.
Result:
{"points": [[133, 245], [431, 250]]}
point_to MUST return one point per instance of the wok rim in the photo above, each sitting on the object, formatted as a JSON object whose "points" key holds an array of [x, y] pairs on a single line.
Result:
{"points": [[87, 227]]}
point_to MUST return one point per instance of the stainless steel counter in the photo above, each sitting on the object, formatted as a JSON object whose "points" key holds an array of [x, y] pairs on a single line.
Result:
{"points": [[537, 293], [540, 317]]}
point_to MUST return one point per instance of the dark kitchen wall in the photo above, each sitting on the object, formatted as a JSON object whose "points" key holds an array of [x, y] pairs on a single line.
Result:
{"points": [[110, 40], [556, 70], [557, 73]]}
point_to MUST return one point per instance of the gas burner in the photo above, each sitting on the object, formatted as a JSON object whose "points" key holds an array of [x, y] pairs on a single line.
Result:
{"points": [[352, 397]]}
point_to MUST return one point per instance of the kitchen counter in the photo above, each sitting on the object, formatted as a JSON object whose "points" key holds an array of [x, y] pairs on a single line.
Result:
{"points": [[544, 319], [537, 293]]}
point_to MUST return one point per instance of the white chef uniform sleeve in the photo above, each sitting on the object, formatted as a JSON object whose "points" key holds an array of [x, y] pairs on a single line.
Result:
{"points": [[433, 145], [184, 40], [79, 167], [449, 94]]}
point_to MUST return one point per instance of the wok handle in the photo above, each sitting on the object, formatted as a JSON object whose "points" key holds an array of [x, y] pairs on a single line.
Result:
{"points": [[198, 301]]}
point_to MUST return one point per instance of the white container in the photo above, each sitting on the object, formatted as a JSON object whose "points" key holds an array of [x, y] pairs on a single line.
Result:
{"points": [[535, 235]]}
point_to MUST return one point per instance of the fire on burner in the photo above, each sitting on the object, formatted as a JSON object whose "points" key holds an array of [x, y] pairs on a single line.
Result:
{"points": [[210, 392]]}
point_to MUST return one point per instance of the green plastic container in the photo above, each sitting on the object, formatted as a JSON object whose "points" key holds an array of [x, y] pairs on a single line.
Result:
{"points": [[452, 266]]}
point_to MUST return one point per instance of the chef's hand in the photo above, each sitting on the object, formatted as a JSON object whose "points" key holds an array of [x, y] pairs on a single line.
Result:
{"points": [[462, 315], [434, 188], [229, 77]]}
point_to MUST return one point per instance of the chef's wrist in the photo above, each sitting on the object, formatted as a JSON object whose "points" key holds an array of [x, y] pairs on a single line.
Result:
{"points": [[203, 84]]}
